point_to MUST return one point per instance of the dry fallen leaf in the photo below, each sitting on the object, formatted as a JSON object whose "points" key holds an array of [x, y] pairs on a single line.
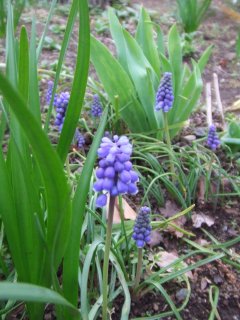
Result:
{"points": [[170, 209], [129, 213], [203, 242], [199, 218], [165, 258], [156, 238]]}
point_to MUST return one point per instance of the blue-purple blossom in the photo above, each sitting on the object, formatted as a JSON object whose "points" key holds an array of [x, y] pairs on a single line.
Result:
{"points": [[49, 93], [61, 104], [96, 107], [79, 138], [213, 141], [115, 174], [164, 96], [142, 228]]}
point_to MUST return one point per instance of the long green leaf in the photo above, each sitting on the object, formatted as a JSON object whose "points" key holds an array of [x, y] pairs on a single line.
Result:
{"points": [[57, 191], [28, 292], [144, 37], [79, 82]]}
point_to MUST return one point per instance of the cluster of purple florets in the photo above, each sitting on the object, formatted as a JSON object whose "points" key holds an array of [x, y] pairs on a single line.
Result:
{"points": [[115, 174], [49, 93], [164, 96], [61, 104], [79, 138], [142, 228], [213, 141], [96, 107]]}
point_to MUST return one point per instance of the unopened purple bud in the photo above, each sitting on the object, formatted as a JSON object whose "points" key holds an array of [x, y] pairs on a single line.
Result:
{"points": [[98, 185], [125, 176], [101, 200], [100, 173], [109, 172], [132, 189], [134, 176], [107, 184]]}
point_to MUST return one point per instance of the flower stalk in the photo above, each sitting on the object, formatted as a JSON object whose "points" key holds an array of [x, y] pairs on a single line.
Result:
{"points": [[168, 141], [106, 257], [139, 269]]}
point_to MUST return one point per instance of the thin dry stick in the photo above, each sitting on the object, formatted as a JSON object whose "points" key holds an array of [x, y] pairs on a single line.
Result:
{"points": [[218, 98], [209, 103]]}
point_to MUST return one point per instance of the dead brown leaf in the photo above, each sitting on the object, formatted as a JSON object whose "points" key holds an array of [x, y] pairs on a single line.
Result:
{"points": [[200, 218], [129, 213], [170, 209], [203, 242], [156, 238], [166, 258]]}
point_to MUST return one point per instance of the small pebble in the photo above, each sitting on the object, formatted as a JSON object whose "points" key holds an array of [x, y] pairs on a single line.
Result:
{"points": [[217, 279], [155, 307], [190, 137], [181, 294]]}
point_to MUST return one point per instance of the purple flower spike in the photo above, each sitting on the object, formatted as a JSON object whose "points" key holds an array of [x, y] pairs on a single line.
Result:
{"points": [[115, 174], [61, 104], [79, 138], [96, 107], [164, 96], [49, 93], [213, 141], [142, 228]]}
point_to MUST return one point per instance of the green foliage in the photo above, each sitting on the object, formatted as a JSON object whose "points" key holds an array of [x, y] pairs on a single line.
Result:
{"points": [[232, 136], [191, 13], [18, 7], [238, 45], [37, 207], [135, 74]]}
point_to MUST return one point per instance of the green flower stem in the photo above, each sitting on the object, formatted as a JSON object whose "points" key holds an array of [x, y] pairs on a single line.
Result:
{"points": [[117, 115], [106, 257], [139, 269], [209, 174], [168, 140]]}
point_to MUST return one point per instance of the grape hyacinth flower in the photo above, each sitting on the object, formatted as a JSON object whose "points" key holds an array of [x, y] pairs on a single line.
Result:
{"points": [[61, 107], [49, 92], [115, 174], [79, 138], [96, 107], [142, 228], [164, 102], [213, 141], [164, 96]]}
